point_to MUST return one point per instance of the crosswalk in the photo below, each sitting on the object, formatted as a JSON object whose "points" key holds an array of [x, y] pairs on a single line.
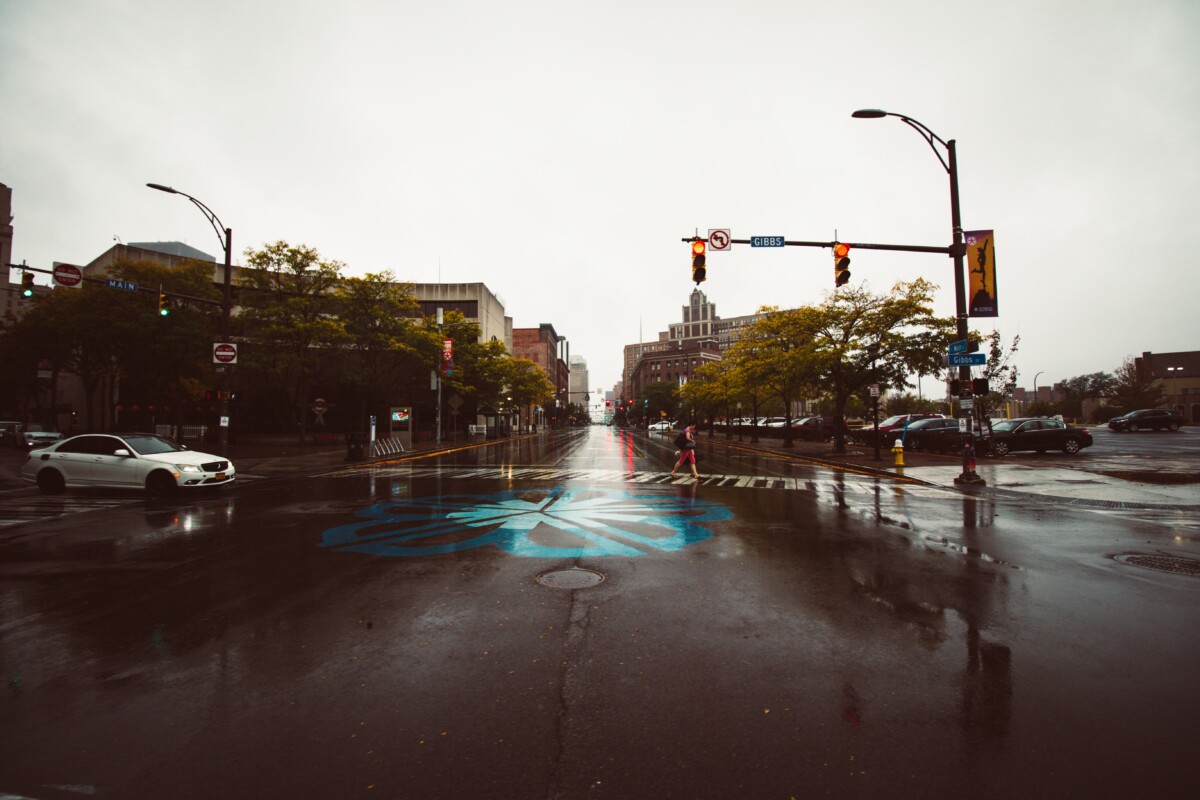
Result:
{"points": [[843, 484]]}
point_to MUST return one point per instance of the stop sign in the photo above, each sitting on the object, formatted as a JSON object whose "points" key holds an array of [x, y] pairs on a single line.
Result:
{"points": [[68, 275], [224, 353]]}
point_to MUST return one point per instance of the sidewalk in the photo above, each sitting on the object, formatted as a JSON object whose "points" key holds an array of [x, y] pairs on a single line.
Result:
{"points": [[1082, 485]]}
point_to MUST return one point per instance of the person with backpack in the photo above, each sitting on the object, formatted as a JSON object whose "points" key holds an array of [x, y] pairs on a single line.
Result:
{"points": [[687, 451]]}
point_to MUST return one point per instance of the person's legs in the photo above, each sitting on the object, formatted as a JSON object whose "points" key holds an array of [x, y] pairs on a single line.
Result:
{"points": [[690, 457], [678, 463]]}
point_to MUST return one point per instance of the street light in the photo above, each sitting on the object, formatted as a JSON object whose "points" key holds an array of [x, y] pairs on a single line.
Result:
{"points": [[1035, 377], [225, 235], [1175, 386], [957, 250]]}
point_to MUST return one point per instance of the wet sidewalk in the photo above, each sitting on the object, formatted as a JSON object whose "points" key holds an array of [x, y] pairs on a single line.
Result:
{"points": [[1081, 482]]}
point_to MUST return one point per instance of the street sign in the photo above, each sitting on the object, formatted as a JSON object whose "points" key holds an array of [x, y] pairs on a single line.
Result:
{"points": [[720, 239], [224, 353], [874, 390], [124, 286], [68, 275], [959, 347], [966, 359], [766, 241]]}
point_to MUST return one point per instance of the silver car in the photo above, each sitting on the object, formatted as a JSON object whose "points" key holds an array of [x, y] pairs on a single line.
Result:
{"points": [[126, 460]]}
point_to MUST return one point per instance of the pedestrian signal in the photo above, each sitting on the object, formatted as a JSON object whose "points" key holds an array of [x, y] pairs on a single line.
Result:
{"points": [[841, 264], [698, 271]]}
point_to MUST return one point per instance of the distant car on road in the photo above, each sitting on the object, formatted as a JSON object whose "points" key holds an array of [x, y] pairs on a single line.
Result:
{"points": [[1039, 435], [34, 435], [1155, 418], [661, 427], [128, 460]]}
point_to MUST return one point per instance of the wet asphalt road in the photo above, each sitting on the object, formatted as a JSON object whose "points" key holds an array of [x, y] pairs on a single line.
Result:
{"points": [[783, 631]]}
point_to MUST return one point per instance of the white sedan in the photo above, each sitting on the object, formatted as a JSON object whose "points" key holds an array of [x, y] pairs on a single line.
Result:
{"points": [[661, 427], [124, 460]]}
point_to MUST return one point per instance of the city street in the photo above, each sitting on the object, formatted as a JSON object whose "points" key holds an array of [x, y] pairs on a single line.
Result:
{"points": [[555, 616]]}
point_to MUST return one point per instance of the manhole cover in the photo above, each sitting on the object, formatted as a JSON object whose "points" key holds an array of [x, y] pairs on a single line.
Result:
{"points": [[1179, 566], [573, 578]]}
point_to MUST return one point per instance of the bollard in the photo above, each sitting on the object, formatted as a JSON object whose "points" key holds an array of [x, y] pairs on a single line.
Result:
{"points": [[898, 450]]}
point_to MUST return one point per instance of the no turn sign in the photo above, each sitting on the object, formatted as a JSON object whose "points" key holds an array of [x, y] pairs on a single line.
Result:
{"points": [[719, 239], [224, 353]]}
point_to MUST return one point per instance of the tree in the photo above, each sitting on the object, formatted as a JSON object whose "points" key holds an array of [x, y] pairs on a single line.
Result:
{"points": [[385, 350], [1083, 387], [527, 383], [663, 396], [783, 358], [1130, 390], [288, 315], [835, 337]]}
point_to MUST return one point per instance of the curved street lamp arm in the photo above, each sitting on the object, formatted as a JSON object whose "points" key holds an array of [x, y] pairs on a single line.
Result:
{"points": [[928, 136], [213, 220]]}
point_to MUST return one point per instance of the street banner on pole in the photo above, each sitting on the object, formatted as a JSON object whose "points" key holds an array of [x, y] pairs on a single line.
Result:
{"points": [[981, 258]]}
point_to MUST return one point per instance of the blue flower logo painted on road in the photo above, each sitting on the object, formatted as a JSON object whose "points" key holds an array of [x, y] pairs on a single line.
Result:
{"points": [[565, 522]]}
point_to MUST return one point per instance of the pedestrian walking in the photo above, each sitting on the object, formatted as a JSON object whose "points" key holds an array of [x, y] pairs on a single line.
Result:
{"points": [[687, 451]]}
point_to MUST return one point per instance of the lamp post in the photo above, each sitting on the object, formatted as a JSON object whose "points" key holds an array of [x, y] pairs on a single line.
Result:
{"points": [[225, 235], [1174, 376], [957, 250]]}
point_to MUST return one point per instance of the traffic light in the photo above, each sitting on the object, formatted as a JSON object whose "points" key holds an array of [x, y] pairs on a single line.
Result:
{"points": [[841, 264], [164, 305], [979, 387], [698, 271], [27, 284]]}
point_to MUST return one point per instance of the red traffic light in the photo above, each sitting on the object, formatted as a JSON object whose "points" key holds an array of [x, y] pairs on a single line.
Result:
{"points": [[841, 264], [698, 247], [698, 270]]}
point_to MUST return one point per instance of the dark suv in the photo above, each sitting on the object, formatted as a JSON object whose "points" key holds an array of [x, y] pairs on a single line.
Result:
{"points": [[1156, 418]]}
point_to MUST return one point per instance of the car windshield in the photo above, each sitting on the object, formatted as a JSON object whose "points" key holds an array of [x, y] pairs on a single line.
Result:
{"points": [[923, 423], [1006, 425], [896, 420], [149, 444]]}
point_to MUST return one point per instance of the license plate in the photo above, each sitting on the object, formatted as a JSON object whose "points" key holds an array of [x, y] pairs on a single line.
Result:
{"points": [[220, 476]]}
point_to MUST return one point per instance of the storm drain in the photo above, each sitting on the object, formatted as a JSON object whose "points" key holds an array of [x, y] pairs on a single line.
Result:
{"points": [[1179, 566], [573, 578]]}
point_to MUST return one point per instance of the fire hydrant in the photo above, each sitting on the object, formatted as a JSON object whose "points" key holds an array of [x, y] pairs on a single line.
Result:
{"points": [[898, 450]]}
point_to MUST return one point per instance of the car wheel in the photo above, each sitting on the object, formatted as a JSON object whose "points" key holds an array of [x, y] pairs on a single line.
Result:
{"points": [[50, 481], [160, 484], [1071, 446], [1174, 426], [1000, 448], [1133, 427]]}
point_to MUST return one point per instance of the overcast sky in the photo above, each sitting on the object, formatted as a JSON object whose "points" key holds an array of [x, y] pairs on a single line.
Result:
{"points": [[558, 151]]}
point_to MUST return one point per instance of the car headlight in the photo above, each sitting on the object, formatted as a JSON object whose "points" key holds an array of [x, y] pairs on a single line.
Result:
{"points": [[187, 468]]}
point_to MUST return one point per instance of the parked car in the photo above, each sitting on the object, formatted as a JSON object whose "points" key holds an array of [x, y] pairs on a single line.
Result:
{"points": [[661, 427], [817, 429], [933, 434], [1156, 418], [1039, 435], [891, 428], [34, 435], [127, 460]]}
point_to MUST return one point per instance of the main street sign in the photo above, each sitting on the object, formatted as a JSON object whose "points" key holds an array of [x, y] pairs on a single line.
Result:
{"points": [[766, 241], [125, 286], [959, 346], [966, 359]]}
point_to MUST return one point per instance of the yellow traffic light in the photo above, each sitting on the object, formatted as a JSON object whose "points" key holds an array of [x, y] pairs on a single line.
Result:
{"points": [[841, 264], [698, 270]]}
